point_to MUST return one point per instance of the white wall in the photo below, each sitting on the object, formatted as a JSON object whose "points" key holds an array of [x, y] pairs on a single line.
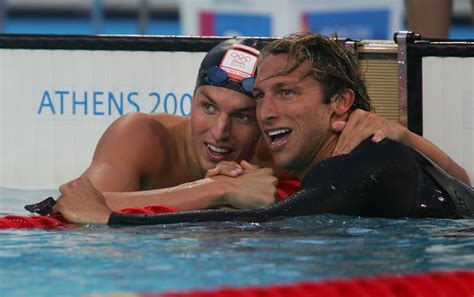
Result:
{"points": [[448, 107], [47, 138]]}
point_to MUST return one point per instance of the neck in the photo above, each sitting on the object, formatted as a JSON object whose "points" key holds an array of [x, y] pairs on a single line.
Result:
{"points": [[325, 151]]}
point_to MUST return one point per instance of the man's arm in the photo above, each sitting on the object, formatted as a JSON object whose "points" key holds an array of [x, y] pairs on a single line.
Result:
{"points": [[204, 193], [81, 202], [362, 124], [90, 208], [253, 189]]}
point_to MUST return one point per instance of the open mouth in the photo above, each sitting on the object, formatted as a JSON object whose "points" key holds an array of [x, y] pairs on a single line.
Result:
{"points": [[280, 135], [217, 152]]}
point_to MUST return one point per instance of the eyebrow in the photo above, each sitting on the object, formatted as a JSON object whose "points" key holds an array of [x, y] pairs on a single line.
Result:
{"points": [[209, 98]]}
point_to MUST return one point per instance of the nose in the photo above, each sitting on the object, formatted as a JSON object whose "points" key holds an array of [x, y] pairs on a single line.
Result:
{"points": [[221, 130], [267, 110]]}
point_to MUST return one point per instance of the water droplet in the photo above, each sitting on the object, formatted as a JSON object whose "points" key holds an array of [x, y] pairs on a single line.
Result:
{"points": [[441, 199], [333, 187]]}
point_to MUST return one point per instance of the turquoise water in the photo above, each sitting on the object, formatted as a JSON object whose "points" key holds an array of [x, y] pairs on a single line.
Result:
{"points": [[83, 260]]}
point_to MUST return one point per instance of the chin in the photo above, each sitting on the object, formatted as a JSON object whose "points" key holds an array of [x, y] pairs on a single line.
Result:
{"points": [[283, 162], [288, 161], [208, 165]]}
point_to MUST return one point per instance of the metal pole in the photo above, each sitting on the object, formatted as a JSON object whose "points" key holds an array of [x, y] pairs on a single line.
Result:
{"points": [[401, 39], [3, 15], [143, 17], [97, 16], [472, 12]]}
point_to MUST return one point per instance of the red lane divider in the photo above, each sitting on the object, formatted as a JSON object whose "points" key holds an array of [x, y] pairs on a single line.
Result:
{"points": [[24, 222], [46, 222], [434, 284], [284, 189]]}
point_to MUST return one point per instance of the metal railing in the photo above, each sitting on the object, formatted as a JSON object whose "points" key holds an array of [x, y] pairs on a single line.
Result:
{"points": [[97, 16], [3, 14]]}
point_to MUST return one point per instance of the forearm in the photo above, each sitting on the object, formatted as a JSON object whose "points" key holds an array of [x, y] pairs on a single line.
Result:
{"points": [[436, 155], [201, 194]]}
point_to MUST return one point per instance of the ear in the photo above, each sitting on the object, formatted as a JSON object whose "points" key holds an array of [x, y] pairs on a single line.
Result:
{"points": [[342, 102]]}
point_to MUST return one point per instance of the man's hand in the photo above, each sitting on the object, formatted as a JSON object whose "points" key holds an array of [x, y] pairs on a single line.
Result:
{"points": [[231, 168], [255, 188], [362, 124], [81, 203], [228, 168]]}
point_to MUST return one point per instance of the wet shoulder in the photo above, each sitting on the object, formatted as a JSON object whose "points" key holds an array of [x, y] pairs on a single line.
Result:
{"points": [[149, 133], [160, 142], [169, 121]]}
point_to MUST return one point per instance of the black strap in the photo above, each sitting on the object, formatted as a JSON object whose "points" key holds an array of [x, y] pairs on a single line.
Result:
{"points": [[461, 194], [42, 208]]}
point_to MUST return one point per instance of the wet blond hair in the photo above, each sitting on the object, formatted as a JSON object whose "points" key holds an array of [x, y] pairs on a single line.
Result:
{"points": [[331, 65]]}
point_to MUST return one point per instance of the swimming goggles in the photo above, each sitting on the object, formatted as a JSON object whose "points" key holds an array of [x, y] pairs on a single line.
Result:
{"points": [[217, 76]]}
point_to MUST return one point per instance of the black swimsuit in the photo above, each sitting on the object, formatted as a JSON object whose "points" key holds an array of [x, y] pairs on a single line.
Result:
{"points": [[387, 179]]}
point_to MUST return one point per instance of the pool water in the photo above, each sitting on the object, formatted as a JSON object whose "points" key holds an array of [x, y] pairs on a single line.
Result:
{"points": [[81, 260]]}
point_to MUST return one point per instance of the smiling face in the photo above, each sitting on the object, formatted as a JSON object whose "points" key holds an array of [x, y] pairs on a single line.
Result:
{"points": [[291, 113], [223, 126]]}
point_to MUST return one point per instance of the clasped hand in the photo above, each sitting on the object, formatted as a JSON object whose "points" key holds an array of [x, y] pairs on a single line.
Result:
{"points": [[250, 187]]}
